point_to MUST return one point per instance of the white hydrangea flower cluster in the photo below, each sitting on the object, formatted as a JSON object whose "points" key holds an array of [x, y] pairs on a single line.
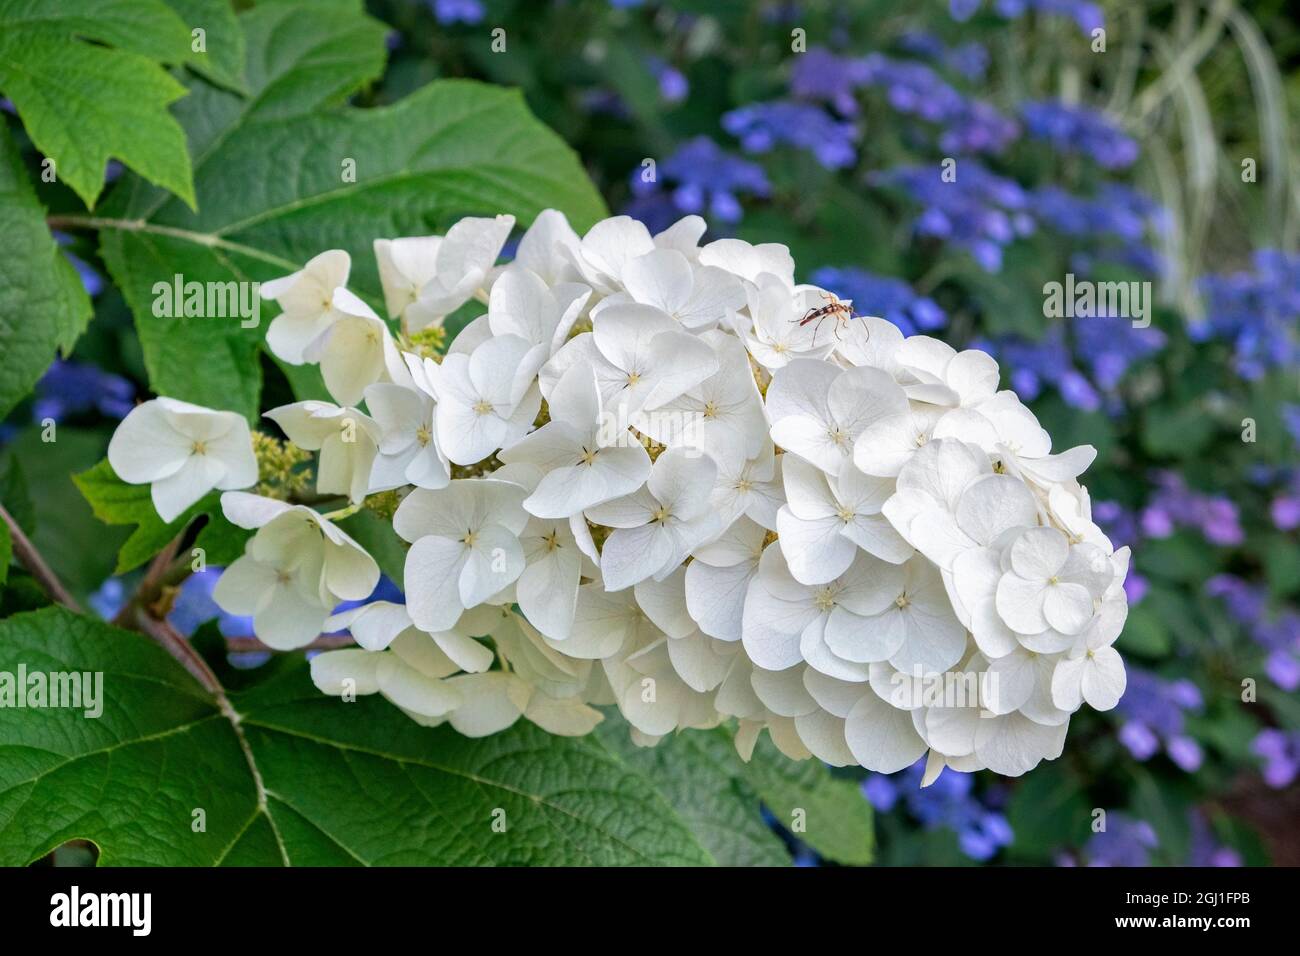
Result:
{"points": [[667, 477]]}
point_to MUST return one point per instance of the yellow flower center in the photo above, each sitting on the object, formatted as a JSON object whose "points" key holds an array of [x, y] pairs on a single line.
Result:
{"points": [[423, 435], [824, 598]]}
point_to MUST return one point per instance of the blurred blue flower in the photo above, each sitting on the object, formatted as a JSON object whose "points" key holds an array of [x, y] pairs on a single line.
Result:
{"points": [[1280, 750], [914, 89], [1174, 504], [948, 803], [970, 60], [1277, 633], [73, 388], [1078, 129], [1110, 345], [963, 10], [1205, 850], [978, 211], [448, 12], [1087, 15], [1125, 842], [109, 598], [889, 298], [760, 127], [699, 178], [821, 75], [1154, 712], [673, 85], [1257, 312]]}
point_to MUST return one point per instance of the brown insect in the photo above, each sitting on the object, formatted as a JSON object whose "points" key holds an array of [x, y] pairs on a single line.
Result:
{"points": [[842, 312]]}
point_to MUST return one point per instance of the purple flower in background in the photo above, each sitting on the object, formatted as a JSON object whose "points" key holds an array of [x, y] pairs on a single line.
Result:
{"points": [[1291, 418], [700, 178], [889, 298], [978, 128], [1281, 753], [978, 211], [948, 803], [1087, 15], [971, 60], [821, 75], [1154, 711], [448, 12], [673, 85], [1109, 345], [1277, 634], [1205, 849], [760, 127], [109, 598], [1033, 365], [963, 10], [1257, 312], [1078, 129], [1175, 505], [914, 89], [1285, 512], [1118, 218], [73, 388], [1126, 841]]}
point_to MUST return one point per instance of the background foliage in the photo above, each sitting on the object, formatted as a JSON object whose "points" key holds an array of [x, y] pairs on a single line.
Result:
{"points": [[1124, 163]]}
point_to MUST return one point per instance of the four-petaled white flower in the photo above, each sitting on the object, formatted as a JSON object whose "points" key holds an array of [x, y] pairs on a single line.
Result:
{"points": [[826, 521], [775, 332], [464, 547], [486, 400], [818, 410], [657, 526], [585, 458], [182, 452], [294, 571]]}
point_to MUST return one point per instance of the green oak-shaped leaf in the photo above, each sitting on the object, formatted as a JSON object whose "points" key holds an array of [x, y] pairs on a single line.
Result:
{"points": [[304, 780], [86, 102]]}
